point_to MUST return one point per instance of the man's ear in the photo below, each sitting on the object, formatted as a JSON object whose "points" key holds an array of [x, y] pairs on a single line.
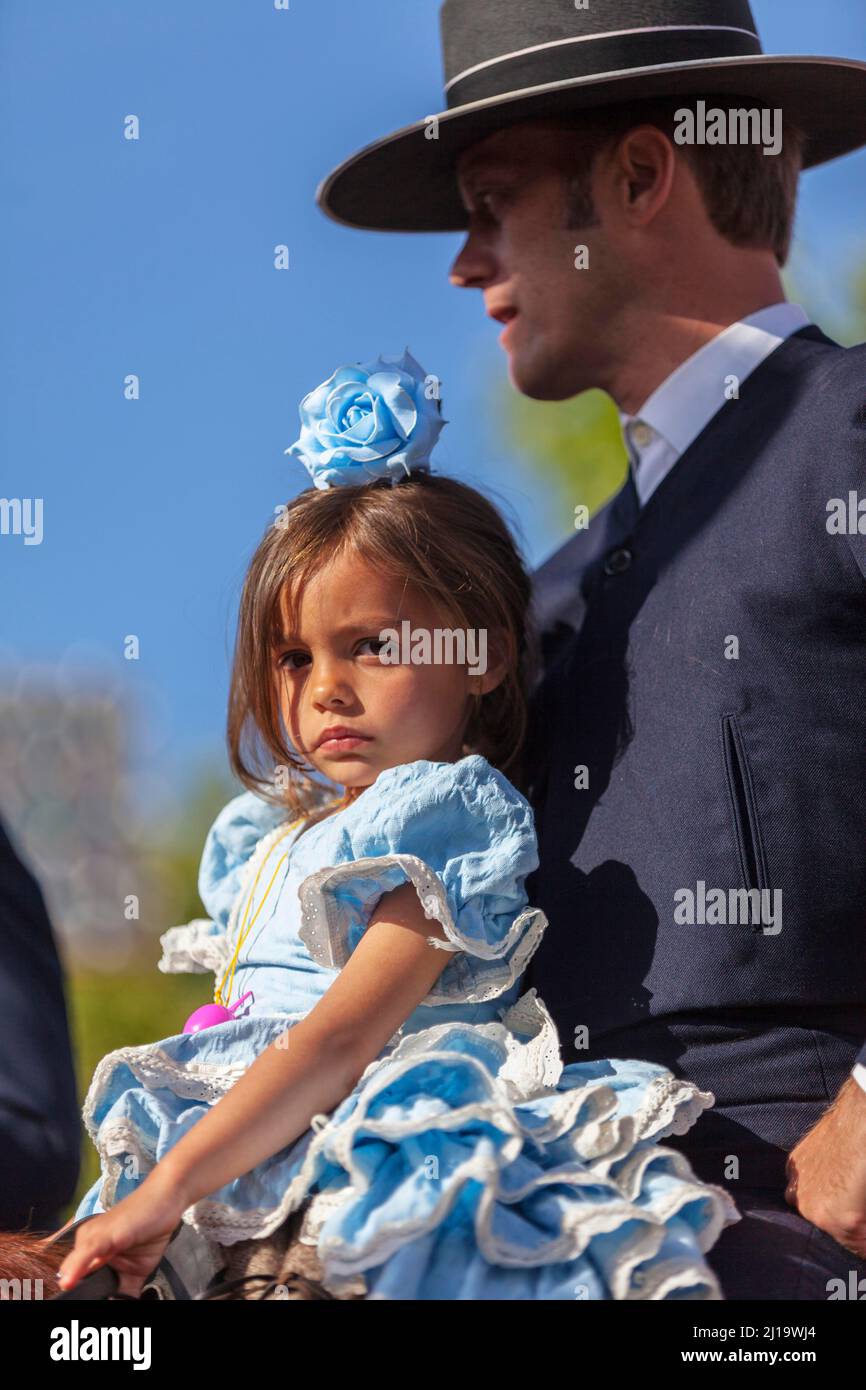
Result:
{"points": [[644, 169]]}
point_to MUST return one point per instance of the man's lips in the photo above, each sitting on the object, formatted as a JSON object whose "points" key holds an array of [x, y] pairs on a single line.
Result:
{"points": [[506, 314]]}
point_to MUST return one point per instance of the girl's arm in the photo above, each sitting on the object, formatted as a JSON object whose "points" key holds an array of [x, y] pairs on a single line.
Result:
{"points": [[317, 1062], [307, 1071]]}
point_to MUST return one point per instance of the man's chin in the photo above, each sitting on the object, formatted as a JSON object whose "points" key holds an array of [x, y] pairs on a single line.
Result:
{"points": [[532, 379], [534, 384]]}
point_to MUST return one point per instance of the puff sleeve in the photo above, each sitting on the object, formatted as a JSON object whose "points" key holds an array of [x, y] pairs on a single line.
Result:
{"points": [[464, 836], [241, 825]]}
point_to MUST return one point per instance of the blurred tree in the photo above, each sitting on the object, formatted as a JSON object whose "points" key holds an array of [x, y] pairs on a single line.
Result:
{"points": [[111, 1009], [175, 848], [575, 445]]}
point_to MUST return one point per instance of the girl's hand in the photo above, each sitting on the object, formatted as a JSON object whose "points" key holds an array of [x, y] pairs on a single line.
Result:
{"points": [[131, 1237]]}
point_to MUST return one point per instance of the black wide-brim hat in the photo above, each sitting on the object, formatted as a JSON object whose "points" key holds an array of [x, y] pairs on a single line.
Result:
{"points": [[519, 60]]}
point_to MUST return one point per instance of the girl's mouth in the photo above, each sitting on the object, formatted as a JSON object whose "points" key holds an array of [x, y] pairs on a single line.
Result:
{"points": [[342, 744]]}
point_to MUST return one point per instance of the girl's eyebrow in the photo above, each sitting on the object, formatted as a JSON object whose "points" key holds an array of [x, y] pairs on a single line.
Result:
{"points": [[375, 623]]}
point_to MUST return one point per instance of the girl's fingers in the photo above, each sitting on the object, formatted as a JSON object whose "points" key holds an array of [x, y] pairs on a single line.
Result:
{"points": [[78, 1263]]}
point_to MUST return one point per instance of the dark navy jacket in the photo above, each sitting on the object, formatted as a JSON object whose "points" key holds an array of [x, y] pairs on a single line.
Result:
{"points": [[702, 769], [40, 1126]]}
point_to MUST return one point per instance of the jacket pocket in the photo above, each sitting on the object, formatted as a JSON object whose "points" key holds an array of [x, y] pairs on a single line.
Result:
{"points": [[750, 846]]}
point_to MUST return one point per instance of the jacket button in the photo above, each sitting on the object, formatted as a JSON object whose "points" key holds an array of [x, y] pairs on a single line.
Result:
{"points": [[618, 561]]}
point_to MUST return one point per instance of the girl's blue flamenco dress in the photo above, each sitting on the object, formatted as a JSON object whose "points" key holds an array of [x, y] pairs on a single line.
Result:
{"points": [[467, 1163]]}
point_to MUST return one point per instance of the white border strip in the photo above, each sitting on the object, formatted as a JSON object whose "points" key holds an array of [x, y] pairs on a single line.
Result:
{"points": [[612, 34]]}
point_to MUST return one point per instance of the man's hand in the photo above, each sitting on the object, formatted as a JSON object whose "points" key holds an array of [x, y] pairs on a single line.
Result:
{"points": [[827, 1171]]}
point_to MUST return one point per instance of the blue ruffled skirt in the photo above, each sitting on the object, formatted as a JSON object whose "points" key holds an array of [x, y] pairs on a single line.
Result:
{"points": [[467, 1163]]}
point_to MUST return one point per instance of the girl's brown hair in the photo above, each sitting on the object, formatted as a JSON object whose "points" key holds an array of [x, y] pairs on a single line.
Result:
{"points": [[434, 533]]}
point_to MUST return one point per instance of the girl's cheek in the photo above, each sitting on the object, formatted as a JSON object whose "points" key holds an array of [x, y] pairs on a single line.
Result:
{"points": [[396, 688]]}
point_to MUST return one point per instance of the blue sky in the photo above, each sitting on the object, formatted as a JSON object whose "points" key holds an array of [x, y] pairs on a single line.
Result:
{"points": [[155, 257]]}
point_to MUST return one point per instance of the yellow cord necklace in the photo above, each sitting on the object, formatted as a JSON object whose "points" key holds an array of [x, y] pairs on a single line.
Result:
{"points": [[219, 1011]]}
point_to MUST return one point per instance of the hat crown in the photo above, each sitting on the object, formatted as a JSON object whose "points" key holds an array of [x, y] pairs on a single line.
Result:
{"points": [[500, 46]]}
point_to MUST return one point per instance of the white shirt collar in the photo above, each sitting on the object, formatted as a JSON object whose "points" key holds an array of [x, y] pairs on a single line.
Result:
{"points": [[687, 400]]}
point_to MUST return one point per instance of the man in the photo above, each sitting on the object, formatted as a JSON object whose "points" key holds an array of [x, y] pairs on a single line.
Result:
{"points": [[698, 740], [39, 1122]]}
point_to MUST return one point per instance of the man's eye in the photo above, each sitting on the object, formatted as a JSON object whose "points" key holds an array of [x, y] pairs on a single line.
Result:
{"points": [[487, 200]]}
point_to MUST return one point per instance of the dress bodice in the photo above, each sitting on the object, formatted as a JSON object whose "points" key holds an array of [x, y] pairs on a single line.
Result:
{"points": [[460, 831]]}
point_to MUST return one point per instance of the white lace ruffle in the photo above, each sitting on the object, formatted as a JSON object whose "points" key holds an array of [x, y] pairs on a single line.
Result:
{"points": [[194, 948], [606, 1140], [118, 1145], [531, 1069], [154, 1069], [538, 1060], [529, 1074], [324, 929], [581, 1222]]}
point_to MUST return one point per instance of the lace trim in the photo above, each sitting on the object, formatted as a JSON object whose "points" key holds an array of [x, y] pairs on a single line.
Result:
{"points": [[320, 1208], [226, 1224], [669, 1276], [582, 1223], [539, 1060], [325, 933], [630, 1176], [121, 1138], [154, 1069], [671, 1106], [195, 948]]}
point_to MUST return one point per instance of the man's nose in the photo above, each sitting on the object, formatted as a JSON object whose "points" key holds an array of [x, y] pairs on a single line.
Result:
{"points": [[474, 267]]}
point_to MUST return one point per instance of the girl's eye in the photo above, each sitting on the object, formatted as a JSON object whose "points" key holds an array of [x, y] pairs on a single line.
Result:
{"points": [[378, 643], [294, 661], [286, 661]]}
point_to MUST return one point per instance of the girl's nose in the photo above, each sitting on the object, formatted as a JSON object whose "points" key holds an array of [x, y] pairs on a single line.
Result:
{"points": [[330, 689]]}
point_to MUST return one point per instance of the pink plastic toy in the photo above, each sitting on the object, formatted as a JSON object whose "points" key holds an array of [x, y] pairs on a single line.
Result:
{"points": [[209, 1015]]}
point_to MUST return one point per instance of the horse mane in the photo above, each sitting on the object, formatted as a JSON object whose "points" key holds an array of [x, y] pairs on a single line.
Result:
{"points": [[24, 1255]]}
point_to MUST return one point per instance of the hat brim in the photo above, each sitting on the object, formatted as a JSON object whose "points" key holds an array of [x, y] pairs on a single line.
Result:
{"points": [[406, 182]]}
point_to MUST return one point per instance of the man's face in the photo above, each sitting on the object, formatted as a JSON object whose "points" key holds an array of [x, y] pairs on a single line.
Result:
{"points": [[521, 253]]}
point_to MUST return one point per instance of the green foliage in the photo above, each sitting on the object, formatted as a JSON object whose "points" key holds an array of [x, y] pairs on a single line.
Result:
{"points": [[174, 849], [576, 445], [847, 326], [141, 1004], [114, 1010]]}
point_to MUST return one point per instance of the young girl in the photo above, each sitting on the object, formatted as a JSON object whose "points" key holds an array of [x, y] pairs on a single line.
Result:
{"points": [[375, 1058]]}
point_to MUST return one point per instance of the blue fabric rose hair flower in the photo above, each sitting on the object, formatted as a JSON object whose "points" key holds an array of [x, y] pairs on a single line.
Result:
{"points": [[379, 420]]}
